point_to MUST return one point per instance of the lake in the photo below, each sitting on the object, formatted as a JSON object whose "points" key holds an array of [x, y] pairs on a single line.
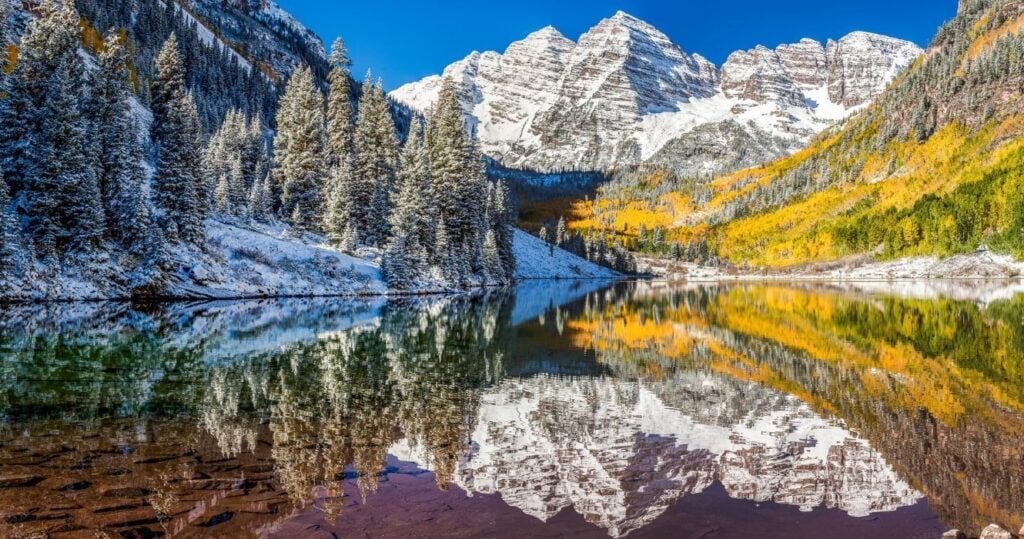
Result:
{"points": [[560, 408]]}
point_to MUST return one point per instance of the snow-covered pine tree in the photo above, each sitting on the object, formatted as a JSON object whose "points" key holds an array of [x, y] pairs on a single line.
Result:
{"points": [[116, 149], [336, 214], [255, 157], [340, 126], [178, 190], [560, 233], [404, 258], [473, 198], [492, 258], [260, 205], [414, 176], [63, 170], [501, 219], [505, 213], [12, 255], [376, 165], [350, 238], [168, 89], [231, 159], [42, 136], [299, 149], [458, 179]]}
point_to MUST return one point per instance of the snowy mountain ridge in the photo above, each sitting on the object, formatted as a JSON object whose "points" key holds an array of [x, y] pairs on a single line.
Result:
{"points": [[624, 93]]}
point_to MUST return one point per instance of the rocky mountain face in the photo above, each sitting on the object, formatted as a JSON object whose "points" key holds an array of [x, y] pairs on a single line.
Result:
{"points": [[624, 92]]}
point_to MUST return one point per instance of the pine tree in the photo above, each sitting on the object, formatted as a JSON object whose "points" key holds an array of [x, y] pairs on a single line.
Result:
{"points": [[116, 151], [11, 252], [414, 175], [299, 149], [43, 137], [179, 191], [501, 222], [260, 206], [340, 127], [336, 216], [376, 164], [168, 89], [492, 258], [560, 233], [404, 258], [350, 238]]}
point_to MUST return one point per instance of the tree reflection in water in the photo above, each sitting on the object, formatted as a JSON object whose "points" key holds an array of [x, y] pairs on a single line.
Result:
{"points": [[239, 416]]}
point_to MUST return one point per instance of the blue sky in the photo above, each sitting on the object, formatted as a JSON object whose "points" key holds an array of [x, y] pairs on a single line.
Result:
{"points": [[404, 40]]}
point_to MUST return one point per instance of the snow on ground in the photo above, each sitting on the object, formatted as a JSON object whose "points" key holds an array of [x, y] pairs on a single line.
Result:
{"points": [[256, 260], [536, 259], [259, 261]]}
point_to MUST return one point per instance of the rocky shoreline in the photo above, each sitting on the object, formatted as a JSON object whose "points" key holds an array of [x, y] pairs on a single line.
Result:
{"points": [[981, 264]]}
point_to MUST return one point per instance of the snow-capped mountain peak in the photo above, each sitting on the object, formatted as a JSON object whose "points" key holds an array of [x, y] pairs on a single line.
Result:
{"points": [[624, 93]]}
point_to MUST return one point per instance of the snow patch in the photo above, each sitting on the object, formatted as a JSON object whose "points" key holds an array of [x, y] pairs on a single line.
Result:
{"points": [[536, 259]]}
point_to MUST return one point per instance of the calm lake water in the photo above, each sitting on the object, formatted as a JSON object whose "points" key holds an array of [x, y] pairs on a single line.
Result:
{"points": [[557, 409]]}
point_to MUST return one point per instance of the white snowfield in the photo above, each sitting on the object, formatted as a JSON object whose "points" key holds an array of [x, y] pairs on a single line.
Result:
{"points": [[536, 259]]}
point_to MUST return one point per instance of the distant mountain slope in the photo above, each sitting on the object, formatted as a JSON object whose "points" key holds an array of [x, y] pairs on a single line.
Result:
{"points": [[624, 94], [933, 167], [265, 32]]}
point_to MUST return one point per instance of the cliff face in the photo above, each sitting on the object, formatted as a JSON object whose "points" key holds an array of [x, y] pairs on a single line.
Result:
{"points": [[624, 91]]}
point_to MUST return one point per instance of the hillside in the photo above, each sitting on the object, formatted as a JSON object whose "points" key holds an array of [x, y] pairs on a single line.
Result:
{"points": [[931, 168]]}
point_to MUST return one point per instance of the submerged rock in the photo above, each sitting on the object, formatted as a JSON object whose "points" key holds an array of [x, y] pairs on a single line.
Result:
{"points": [[954, 534]]}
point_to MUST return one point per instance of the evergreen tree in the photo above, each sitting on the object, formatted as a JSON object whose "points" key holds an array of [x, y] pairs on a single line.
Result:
{"points": [[179, 191], [336, 216], [340, 127], [404, 259], [560, 233], [414, 175], [43, 137], [492, 258], [116, 150], [11, 251], [299, 149], [376, 164], [501, 222], [260, 205], [168, 89]]}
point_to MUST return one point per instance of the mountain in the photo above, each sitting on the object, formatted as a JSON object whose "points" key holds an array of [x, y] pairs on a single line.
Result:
{"points": [[930, 168], [624, 93]]}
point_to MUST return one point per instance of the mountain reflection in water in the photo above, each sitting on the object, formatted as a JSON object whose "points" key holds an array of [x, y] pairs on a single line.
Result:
{"points": [[571, 409]]}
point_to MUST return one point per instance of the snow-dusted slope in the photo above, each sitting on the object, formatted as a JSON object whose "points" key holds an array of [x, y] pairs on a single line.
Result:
{"points": [[624, 93], [236, 262], [621, 452], [268, 33], [536, 259]]}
